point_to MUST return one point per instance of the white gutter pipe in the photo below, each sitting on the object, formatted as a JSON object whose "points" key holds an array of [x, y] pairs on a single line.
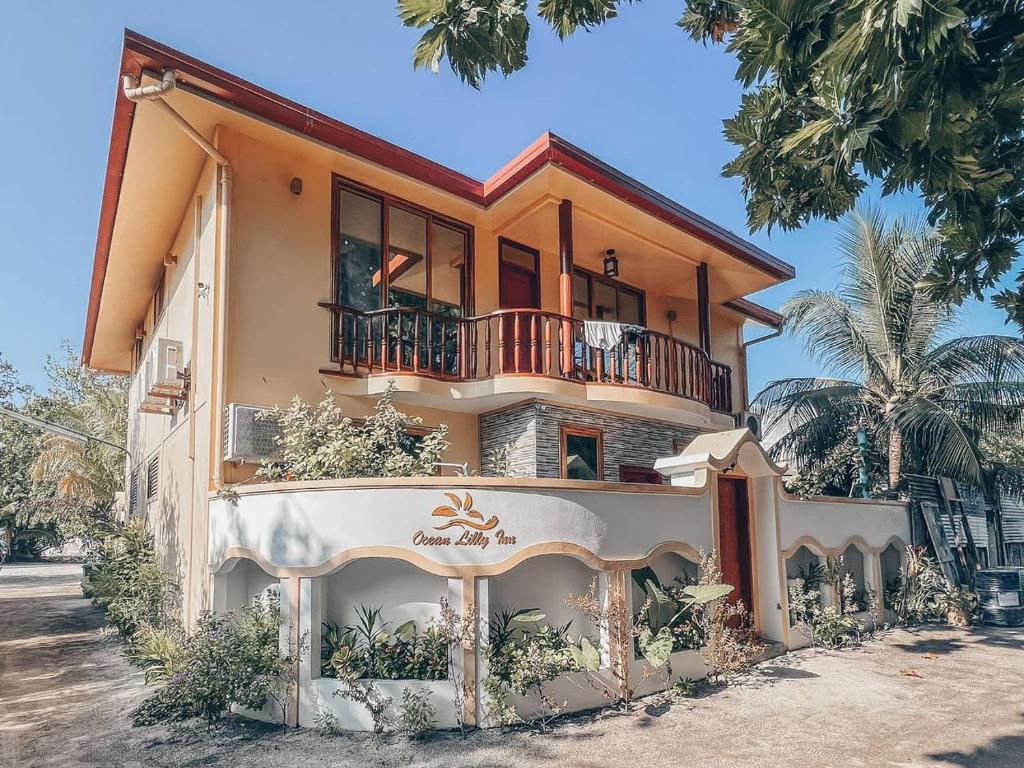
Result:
{"points": [[155, 94]]}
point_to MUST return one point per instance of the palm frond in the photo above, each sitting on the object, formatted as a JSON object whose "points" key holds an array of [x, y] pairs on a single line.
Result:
{"points": [[833, 333]]}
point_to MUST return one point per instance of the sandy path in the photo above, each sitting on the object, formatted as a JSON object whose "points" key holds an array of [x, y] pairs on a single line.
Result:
{"points": [[65, 690]]}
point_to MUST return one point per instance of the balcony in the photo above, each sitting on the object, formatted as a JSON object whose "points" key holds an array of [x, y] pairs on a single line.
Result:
{"points": [[519, 342]]}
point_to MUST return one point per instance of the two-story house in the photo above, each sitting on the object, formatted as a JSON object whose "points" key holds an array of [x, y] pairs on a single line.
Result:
{"points": [[251, 249]]}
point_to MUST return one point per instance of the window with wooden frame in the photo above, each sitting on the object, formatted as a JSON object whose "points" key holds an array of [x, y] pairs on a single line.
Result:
{"points": [[391, 253], [581, 452], [152, 478], [596, 297]]}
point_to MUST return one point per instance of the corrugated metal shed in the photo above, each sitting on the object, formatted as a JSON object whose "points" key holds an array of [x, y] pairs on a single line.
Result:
{"points": [[1013, 519], [974, 506]]}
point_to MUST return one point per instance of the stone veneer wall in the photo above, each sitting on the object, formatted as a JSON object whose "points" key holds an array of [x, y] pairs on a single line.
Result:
{"points": [[534, 430]]}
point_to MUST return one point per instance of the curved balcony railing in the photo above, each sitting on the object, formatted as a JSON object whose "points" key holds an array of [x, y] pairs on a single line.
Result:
{"points": [[528, 342]]}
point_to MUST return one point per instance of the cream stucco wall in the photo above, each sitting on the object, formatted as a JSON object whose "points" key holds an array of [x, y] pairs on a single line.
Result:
{"points": [[180, 442]]}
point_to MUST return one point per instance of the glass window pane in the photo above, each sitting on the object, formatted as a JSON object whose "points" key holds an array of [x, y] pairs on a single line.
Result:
{"points": [[629, 307], [359, 252], [447, 268], [516, 255], [580, 296], [407, 263], [605, 302], [581, 461]]}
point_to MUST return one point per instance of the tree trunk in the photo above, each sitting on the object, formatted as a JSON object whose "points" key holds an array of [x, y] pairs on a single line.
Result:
{"points": [[895, 458]]}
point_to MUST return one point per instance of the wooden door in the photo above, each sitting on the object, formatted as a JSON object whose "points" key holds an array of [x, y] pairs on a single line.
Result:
{"points": [[518, 289], [734, 539]]}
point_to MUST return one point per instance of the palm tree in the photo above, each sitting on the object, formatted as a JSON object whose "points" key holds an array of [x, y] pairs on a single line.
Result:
{"points": [[75, 484], [927, 398]]}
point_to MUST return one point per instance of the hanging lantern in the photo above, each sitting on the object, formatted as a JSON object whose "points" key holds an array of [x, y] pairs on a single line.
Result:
{"points": [[611, 263]]}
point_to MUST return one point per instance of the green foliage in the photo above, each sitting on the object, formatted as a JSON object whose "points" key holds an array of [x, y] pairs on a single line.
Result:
{"points": [[51, 489], [922, 594], [928, 402], [319, 442], [831, 626], [369, 649], [673, 612], [231, 659], [123, 575], [499, 461], [522, 654], [157, 651], [921, 96], [416, 715], [477, 37]]}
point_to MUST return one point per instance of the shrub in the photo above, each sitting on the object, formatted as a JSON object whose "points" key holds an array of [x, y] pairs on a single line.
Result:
{"points": [[726, 627], [231, 659], [920, 582], [523, 654], [416, 716], [955, 604], [123, 575], [319, 442]]}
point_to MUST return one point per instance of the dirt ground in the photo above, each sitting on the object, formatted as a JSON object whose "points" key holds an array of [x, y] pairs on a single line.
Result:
{"points": [[931, 697]]}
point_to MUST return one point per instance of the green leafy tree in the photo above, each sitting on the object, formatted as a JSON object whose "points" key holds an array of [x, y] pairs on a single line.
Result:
{"points": [[52, 489], [19, 447], [925, 96], [930, 402]]}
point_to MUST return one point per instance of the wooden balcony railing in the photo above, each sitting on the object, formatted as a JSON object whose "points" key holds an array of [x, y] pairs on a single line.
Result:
{"points": [[527, 342]]}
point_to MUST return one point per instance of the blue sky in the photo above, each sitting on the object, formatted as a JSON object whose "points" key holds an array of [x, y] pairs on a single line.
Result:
{"points": [[636, 93]]}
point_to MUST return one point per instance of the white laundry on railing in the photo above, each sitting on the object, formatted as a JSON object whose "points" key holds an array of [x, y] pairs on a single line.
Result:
{"points": [[607, 336]]}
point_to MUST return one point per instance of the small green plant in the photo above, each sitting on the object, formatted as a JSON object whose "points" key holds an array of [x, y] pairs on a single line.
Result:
{"points": [[956, 604], [416, 716], [684, 688], [157, 651], [232, 658], [499, 461]]}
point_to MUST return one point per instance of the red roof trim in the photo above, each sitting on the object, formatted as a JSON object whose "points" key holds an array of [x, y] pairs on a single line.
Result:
{"points": [[141, 53]]}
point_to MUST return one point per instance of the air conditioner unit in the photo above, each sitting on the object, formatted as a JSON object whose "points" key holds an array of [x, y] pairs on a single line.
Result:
{"points": [[165, 370], [246, 437], [748, 420], [162, 382]]}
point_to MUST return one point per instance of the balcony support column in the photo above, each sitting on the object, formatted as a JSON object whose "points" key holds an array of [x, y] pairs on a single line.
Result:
{"points": [[565, 259], [703, 310]]}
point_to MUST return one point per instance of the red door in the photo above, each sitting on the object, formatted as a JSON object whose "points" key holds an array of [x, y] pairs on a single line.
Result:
{"points": [[734, 539], [519, 288]]}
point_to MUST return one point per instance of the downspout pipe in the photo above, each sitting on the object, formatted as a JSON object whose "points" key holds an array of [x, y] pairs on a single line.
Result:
{"points": [[155, 94], [743, 348]]}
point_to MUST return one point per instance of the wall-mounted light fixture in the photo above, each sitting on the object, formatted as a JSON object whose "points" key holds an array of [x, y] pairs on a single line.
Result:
{"points": [[296, 186], [611, 263]]}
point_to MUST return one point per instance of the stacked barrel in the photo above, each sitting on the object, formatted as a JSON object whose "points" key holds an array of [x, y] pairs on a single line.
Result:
{"points": [[1001, 595]]}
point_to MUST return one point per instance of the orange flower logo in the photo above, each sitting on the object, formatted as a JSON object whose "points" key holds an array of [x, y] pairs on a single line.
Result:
{"points": [[464, 514]]}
